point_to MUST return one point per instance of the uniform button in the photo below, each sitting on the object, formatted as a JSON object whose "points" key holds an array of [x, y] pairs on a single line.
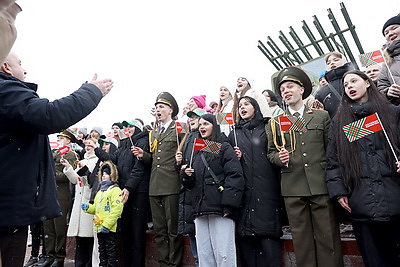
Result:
{"points": [[158, 166], [252, 210], [301, 133], [159, 150], [159, 143], [302, 143], [158, 157], [304, 154], [306, 165]]}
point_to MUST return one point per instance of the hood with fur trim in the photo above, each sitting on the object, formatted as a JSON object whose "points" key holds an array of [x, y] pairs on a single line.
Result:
{"points": [[112, 167]]}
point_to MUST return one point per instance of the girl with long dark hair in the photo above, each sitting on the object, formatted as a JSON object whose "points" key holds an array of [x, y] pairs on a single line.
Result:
{"points": [[362, 175], [259, 221]]}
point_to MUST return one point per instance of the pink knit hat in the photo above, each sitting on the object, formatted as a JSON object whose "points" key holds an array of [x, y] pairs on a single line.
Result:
{"points": [[200, 100]]}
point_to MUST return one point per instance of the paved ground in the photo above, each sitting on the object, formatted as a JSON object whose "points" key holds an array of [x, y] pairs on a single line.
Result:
{"points": [[67, 263]]}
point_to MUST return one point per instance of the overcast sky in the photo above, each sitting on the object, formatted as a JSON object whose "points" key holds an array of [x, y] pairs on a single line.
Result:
{"points": [[184, 47]]}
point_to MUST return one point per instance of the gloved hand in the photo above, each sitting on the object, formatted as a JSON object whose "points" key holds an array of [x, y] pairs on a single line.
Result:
{"points": [[104, 230], [85, 206]]}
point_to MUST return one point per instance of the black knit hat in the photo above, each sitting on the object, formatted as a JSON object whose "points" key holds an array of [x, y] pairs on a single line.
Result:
{"points": [[391, 21], [106, 169], [118, 124]]}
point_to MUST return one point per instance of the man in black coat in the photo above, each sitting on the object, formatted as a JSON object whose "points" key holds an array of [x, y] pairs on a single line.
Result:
{"points": [[27, 183]]}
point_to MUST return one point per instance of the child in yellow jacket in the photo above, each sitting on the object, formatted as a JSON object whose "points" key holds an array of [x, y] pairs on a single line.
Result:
{"points": [[107, 209]]}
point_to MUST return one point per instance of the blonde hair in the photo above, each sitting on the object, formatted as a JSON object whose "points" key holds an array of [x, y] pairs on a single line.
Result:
{"points": [[236, 97], [334, 53]]}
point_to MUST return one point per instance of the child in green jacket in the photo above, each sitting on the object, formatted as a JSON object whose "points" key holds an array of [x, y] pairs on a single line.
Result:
{"points": [[107, 209]]}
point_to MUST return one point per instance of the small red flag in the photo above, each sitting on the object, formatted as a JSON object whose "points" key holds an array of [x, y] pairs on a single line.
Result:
{"points": [[64, 150], [181, 127], [285, 123], [53, 145], [371, 58], [126, 132], [363, 127], [207, 146], [224, 118]]}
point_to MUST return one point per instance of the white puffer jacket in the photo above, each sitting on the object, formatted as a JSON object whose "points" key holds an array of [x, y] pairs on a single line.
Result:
{"points": [[81, 223]]}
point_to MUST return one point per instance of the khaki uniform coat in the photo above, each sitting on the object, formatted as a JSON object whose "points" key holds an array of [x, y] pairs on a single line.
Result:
{"points": [[164, 179], [309, 152]]}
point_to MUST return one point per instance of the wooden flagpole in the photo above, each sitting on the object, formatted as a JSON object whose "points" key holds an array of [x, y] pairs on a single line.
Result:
{"points": [[387, 138]]}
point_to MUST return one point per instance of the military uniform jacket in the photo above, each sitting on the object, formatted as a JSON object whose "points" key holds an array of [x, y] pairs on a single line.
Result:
{"points": [[164, 178], [305, 173]]}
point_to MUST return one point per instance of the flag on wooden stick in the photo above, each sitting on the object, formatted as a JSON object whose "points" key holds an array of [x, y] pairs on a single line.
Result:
{"points": [[181, 127], [207, 146], [371, 58], [224, 118], [292, 123], [366, 126], [64, 150], [285, 123], [363, 127]]}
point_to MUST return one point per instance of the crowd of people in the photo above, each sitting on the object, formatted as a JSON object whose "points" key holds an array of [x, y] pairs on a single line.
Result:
{"points": [[229, 181]]}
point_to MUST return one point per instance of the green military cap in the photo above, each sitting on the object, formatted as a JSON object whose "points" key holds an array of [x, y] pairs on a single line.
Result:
{"points": [[168, 99], [297, 75], [69, 134]]}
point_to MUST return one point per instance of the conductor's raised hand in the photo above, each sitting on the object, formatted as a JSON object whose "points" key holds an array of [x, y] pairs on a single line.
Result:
{"points": [[104, 85]]}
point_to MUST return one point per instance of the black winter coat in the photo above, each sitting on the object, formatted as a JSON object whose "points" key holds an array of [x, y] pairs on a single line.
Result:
{"points": [[205, 195], [377, 198], [261, 208], [185, 222], [27, 182], [326, 96], [133, 174]]}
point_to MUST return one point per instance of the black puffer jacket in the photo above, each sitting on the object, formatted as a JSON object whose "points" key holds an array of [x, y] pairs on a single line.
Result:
{"points": [[377, 198], [326, 96], [27, 185], [133, 174], [205, 195], [261, 208], [185, 222]]}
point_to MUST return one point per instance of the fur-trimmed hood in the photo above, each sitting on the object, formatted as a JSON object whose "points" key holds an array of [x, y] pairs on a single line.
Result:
{"points": [[112, 167]]}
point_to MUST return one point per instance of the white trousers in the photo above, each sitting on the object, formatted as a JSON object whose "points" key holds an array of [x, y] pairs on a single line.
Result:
{"points": [[215, 240]]}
